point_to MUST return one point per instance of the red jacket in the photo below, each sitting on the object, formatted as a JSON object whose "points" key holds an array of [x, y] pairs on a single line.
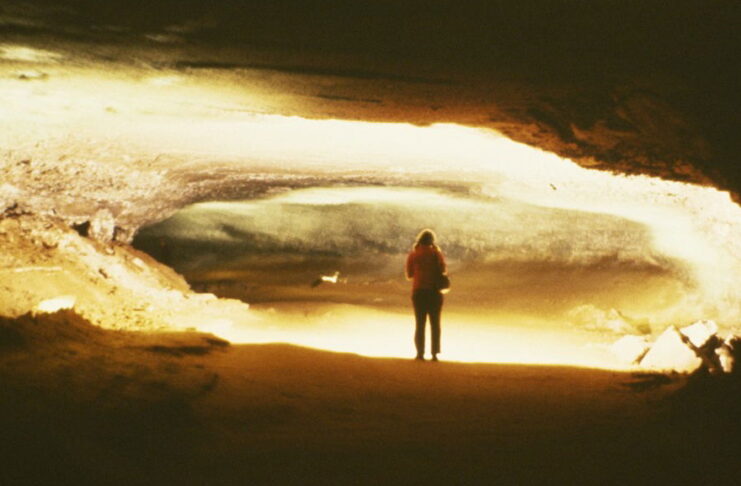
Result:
{"points": [[424, 265]]}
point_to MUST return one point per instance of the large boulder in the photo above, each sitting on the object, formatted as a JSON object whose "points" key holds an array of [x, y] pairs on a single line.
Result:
{"points": [[670, 353]]}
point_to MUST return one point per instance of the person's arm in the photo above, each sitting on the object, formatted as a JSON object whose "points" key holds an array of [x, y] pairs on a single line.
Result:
{"points": [[443, 266], [410, 266]]}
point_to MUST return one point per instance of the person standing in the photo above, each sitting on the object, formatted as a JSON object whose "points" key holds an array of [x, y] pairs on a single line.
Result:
{"points": [[425, 265]]}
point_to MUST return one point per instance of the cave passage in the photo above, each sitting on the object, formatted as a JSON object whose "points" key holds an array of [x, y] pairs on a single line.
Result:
{"points": [[538, 245], [551, 262], [532, 283]]}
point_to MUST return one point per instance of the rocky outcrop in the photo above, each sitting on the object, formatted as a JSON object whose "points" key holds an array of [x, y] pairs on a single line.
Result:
{"points": [[696, 348], [45, 267]]}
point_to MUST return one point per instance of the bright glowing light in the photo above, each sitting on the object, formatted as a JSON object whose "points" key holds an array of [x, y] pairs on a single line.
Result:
{"points": [[57, 303], [376, 333], [221, 327]]}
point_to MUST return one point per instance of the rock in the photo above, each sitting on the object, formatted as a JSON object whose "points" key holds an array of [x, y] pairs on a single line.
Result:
{"points": [[670, 353], [630, 349], [725, 356], [700, 332], [102, 226]]}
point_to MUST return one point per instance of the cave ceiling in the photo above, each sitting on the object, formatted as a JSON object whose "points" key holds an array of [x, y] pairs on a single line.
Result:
{"points": [[636, 87]]}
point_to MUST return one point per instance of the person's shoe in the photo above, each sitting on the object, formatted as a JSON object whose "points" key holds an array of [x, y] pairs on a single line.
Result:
{"points": [[419, 358], [434, 357]]}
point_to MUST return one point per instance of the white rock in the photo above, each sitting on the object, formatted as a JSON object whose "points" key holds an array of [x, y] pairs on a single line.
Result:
{"points": [[726, 353], [725, 356], [669, 353], [700, 332], [628, 349]]}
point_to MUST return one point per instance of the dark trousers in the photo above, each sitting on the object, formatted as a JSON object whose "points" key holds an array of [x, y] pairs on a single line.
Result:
{"points": [[427, 302]]}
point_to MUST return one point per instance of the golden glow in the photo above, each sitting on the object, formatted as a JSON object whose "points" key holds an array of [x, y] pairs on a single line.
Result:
{"points": [[57, 303], [375, 333]]}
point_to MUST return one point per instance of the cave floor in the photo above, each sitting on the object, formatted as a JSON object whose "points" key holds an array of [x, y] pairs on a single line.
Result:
{"points": [[84, 405]]}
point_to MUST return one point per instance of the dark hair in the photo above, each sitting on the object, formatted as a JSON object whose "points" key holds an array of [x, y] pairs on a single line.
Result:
{"points": [[426, 237]]}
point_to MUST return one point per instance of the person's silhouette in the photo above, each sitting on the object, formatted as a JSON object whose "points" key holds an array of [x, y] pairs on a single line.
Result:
{"points": [[424, 266]]}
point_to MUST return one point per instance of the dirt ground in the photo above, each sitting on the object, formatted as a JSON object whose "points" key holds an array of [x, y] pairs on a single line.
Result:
{"points": [[84, 405]]}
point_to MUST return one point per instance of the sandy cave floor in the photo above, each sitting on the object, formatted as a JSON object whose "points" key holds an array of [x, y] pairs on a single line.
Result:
{"points": [[82, 405]]}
